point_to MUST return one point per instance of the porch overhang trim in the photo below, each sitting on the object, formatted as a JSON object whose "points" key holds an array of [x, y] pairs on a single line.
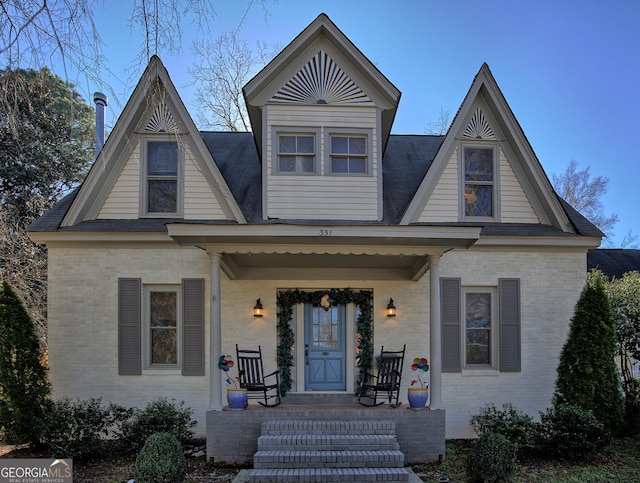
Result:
{"points": [[324, 235]]}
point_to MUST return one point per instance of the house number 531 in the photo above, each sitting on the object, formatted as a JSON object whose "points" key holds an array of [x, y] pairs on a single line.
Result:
{"points": [[325, 232]]}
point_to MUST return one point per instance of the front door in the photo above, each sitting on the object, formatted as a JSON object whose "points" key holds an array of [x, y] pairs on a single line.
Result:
{"points": [[324, 348]]}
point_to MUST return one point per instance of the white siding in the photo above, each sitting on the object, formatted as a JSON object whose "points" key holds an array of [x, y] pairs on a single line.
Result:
{"points": [[320, 196], [515, 206], [123, 201], [443, 205], [200, 202]]}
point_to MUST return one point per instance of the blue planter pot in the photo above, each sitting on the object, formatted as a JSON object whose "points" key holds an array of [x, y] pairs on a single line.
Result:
{"points": [[237, 398], [418, 397]]}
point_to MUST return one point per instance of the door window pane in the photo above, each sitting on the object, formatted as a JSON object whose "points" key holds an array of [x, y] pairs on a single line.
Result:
{"points": [[325, 328]]}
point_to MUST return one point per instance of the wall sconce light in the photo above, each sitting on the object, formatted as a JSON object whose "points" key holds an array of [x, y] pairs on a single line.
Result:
{"points": [[257, 309], [391, 309]]}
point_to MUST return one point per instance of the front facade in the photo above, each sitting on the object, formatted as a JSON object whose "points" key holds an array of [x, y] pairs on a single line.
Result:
{"points": [[157, 260]]}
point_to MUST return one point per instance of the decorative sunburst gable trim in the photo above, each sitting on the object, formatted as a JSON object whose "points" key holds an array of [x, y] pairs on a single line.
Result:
{"points": [[161, 120], [321, 81], [479, 127]]}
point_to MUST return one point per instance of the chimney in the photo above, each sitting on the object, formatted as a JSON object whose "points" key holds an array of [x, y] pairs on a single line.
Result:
{"points": [[101, 102]]}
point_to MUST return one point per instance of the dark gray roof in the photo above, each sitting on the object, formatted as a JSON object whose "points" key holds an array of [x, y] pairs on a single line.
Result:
{"points": [[613, 262], [404, 166]]}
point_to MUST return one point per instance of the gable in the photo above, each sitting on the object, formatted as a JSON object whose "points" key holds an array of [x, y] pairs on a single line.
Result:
{"points": [[116, 187], [320, 66], [521, 192]]}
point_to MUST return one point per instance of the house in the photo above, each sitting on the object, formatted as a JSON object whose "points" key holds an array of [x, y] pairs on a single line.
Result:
{"points": [[157, 260], [614, 262]]}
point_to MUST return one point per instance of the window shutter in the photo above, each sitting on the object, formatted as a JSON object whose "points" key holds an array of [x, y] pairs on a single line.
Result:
{"points": [[193, 327], [450, 313], [129, 320], [509, 324]]}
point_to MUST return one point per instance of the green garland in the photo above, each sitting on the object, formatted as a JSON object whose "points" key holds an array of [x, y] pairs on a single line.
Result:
{"points": [[287, 299]]}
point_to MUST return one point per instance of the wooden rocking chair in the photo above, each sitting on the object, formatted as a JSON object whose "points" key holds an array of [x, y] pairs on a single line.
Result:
{"points": [[252, 378], [387, 382]]}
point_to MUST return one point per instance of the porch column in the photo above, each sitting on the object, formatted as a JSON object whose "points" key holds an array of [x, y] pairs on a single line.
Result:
{"points": [[215, 335], [435, 393]]}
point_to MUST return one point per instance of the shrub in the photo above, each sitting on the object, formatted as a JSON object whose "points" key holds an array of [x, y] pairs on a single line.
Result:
{"points": [[568, 431], [160, 461], [158, 416], [511, 423], [587, 372], [24, 389], [74, 429], [492, 458]]}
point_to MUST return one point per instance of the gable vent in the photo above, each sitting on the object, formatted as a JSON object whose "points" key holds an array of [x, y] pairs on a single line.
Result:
{"points": [[162, 120], [478, 127], [320, 81]]}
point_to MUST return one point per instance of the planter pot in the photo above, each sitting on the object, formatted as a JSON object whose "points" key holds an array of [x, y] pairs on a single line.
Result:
{"points": [[418, 397], [237, 398]]}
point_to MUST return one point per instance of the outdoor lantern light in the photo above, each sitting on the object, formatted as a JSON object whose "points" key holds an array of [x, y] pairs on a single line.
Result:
{"points": [[391, 309], [257, 309]]}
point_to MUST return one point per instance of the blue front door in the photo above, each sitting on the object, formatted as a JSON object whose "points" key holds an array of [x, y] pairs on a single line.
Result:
{"points": [[324, 344]]}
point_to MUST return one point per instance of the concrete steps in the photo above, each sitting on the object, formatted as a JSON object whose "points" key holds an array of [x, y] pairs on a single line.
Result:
{"points": [[310, 451]]}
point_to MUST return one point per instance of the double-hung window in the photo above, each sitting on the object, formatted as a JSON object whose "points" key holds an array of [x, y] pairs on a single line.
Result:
{"points": [[162, 169], [479, 181], [162, 325], [479, 314], [348, 154], [296, 153]]}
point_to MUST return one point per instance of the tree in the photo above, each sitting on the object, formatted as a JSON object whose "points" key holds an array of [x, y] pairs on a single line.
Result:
{"points": [[23, 379], [23, 265], [221, 69], [587, 372], [582, 192], [441, 125], [48, 148]]}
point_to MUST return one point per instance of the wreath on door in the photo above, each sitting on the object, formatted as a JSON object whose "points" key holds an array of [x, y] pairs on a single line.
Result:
{"points": [[287, 299]]}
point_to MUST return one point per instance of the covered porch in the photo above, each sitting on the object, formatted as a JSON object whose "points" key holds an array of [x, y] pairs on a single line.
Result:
{"points": [[373, 256]]}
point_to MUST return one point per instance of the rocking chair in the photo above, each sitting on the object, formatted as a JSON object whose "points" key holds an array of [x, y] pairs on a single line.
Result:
{"points": [[387, 382], [252, 378]]}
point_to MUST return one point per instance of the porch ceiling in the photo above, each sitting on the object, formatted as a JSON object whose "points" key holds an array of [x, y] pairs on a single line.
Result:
{"points": [[303, 252]]}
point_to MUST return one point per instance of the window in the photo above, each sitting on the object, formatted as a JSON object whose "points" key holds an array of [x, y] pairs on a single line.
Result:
{"points": [[348, 155], [478, 182], [479, 327], [162, 168], [162, 325], [296, 153]]}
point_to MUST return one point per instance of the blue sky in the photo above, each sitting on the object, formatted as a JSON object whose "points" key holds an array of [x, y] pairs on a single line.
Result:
{"points": [[569, 69]]}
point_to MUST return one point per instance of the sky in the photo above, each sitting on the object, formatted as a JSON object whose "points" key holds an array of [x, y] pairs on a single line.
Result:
{"points": [[569, 69]]}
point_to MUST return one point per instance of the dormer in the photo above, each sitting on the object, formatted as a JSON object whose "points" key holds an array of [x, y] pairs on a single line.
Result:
{"points": [[321, 115]]}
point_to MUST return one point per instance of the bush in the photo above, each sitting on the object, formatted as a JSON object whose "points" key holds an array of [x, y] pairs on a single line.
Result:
{"points": [[160, 461], [492, 458], [568, 431], [158, 416], [511, 423], [75, 429]]}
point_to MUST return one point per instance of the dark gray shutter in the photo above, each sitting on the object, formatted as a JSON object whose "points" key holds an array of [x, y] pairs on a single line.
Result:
{"points": [[129, 320], [509, 324], [193, 327], [450, 313]]}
